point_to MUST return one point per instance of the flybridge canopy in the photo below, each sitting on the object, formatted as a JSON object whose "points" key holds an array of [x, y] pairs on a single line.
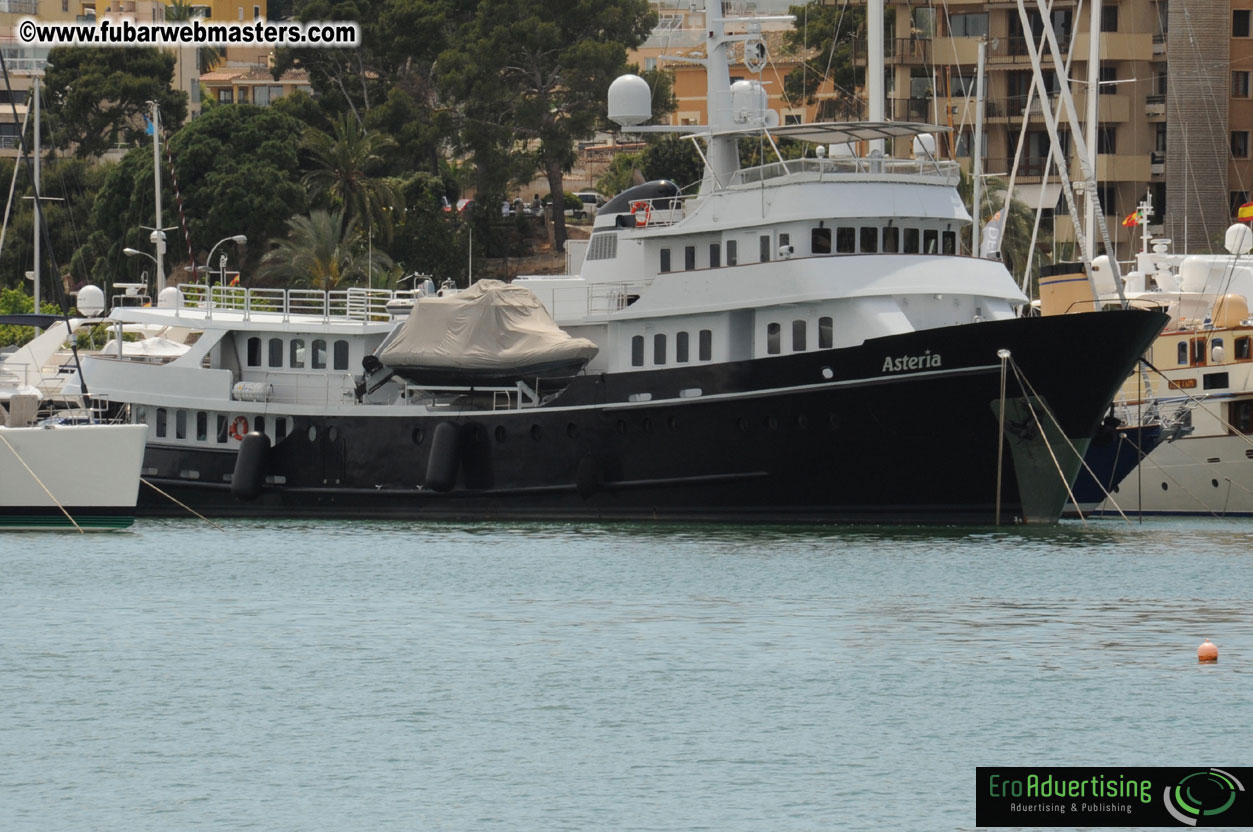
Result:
{"points": [[833, 132]]}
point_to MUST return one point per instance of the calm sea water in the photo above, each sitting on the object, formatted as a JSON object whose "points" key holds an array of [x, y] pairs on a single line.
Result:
{"points": [[397, 676]]}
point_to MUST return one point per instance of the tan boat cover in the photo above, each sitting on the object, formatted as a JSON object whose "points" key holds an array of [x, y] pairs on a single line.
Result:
{"points": [[492, 325]]}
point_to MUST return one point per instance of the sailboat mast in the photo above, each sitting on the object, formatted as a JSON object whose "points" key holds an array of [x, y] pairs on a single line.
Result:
{"points": [[977, 153], [37, 252], [874, 66], [158, 236], [1094, 91]]}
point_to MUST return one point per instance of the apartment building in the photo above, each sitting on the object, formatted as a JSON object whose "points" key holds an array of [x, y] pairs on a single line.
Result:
{"points": [[1175, 102]]}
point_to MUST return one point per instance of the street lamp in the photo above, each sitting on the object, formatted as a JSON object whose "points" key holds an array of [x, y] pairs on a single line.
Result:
{"points": [[238, 239], [134, 252]]}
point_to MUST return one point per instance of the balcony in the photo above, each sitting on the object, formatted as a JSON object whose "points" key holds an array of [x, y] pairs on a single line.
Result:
{"points": [[1157, 163], [1159, 44], [1155, 105], [30, 7], [907, 51], [911, 109]]}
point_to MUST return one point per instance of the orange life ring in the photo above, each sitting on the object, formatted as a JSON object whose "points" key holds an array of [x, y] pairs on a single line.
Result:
{"points": [[646, 207], [239, 427]]}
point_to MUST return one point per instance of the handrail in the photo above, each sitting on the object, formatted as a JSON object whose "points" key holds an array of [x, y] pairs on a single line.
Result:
{"points": [[846, 165], [353, 304]]}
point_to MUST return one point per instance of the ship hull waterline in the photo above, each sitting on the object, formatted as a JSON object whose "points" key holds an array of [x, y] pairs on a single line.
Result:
{"points": [[899, 429]]}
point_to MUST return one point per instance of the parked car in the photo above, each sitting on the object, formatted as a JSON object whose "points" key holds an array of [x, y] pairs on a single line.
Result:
{"points": [[591, 202]]}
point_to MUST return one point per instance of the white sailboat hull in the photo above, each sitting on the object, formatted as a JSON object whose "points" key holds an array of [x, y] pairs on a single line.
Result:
{"points": [[1204, 475]]}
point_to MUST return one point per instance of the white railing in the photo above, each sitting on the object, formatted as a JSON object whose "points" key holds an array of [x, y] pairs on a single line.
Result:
{"points": [[355, 304], [946, 171]]}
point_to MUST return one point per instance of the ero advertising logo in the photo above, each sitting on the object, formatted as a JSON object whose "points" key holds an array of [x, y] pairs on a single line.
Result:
{"points": [[1113, 796]]}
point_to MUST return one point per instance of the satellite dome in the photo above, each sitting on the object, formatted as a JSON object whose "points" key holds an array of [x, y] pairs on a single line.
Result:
{"points": [[630, 100], [90, 301]]}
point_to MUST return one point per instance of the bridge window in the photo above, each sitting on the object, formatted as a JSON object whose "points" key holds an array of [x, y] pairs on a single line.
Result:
{"points": [[706, 345], [680, 348], [891, 239], [280, 429], [221, 437], [715, 255], [659, 348], [949, 242], [319, 355], [276, 352], [665, 259], [731, 252], [869, 239], [820, 240], [161, 422], [930, 238], [689, 258], [202, 426], [297, 357], [798, 336], [341, 355], [826, 333], [911, 241], [774, 339], [637, 350], [765, 248], [1242, 349], [254, 352], [180, 424], [845, 240]]}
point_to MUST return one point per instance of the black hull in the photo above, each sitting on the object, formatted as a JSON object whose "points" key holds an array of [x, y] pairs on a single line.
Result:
{"points": [[847, 435]]}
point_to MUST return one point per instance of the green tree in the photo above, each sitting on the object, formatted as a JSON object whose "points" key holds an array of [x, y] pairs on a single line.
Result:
{"points": [[1016, 239], [538, 71], [96, 95], [322, 251], [207, 57], [340, 171], [17, 302], [824, 36]]}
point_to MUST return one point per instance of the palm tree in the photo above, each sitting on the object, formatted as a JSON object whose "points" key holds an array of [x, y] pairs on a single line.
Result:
{"points": [[341, 178], [207, 57], [321, 251], [1016, 239]]}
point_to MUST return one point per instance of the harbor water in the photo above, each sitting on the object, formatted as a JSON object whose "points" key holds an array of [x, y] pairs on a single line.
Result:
{"points": [[284, 675]]}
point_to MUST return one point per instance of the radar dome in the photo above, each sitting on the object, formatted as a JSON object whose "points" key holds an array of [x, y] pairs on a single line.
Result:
{"points": [[1239, 239], [90, 301], [630, 100], [1103, 275], [170, 298]]}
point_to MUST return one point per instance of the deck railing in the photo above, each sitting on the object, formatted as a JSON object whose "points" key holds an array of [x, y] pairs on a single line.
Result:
{"points": [[355, 304], [846, 165]]}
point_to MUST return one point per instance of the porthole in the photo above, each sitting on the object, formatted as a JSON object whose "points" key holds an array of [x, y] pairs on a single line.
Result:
{"points": [[1214, 483], [500, 433], [674, 423], [622, 429], [833, 421], [537, 432], [646, 425], [802, 421], [572, 430], [772, 423], [418, 436], [742, 423], [828, 373], [313, 433], [332, 435], [1164, 486]]}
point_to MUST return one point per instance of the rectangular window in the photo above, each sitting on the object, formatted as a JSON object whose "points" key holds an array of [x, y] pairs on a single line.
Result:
{"points": [[968, 25], [715, 255], [1215, 381], [774, 339], [180, 424], [319, 355], [891, 239], [161, 422], [680, 348], [930, 238], [1241, 416], [297, 357], [1159, 138], [765, 248], [826, 333], [706, 345], [221, 420], [1106, 139], [911, 241], [1198, 352], [280, 430], [949, 240], [637, 350], [731, 252], [1240, 23], [1240, 84], [659, 348], [820, 241], [798, 336], [1240, 144], [1109, 18], [845, 240], [202, 426], [254, 352], [1242, 349], [785, 242], [276, 352], [341, 355], [689, 258], [665, 260], [869, 239]]}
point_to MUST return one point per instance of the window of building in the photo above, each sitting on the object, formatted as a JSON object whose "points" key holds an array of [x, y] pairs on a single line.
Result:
{"points": [[202, 426], [968, 25], [1107, 195], [1240, 144], [1159, 139], [221, 426], [826, 333], [731, 252], [161, 422], [297, 355], [869, 239], [276, 352], [1109, 74], [911, 241], [637, 350], [1181, 354], [820, 240], [715, 255], [341, 355], [793, 118], [765, 247], [180, 424], [846, 240], [1106, 139], [774, 338], [256, 12], [930, 241], [1240, 84], [319, 355], [1240, 23], [1109, 18], [254, 352], [798, 336], [689, 258], [665, 260], [891, 239], [948, 242], [706, 345], [659, 348], [680, 348], [226, 96]]}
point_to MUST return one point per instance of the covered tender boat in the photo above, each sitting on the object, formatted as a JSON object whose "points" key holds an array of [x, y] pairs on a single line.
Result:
{"points": [[492, 334]]}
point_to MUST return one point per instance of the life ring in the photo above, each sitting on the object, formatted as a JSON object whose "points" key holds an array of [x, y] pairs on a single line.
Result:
{"points": [[239, 427], [642, 206]]}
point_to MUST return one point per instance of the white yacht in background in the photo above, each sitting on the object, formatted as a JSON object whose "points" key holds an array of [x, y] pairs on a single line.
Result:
{"points": [[797, 341]]}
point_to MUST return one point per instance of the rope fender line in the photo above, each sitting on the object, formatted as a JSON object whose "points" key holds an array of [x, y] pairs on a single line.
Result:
{"points": [[181, 504]]}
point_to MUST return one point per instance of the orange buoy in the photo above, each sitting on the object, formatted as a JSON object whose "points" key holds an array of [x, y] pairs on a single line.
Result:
{"points": [[1207, 652]]}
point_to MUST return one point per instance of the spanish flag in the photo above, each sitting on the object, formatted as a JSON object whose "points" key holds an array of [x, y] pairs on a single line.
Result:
{"points": [[1245, 212], [1132, 220], [235, 280]]}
